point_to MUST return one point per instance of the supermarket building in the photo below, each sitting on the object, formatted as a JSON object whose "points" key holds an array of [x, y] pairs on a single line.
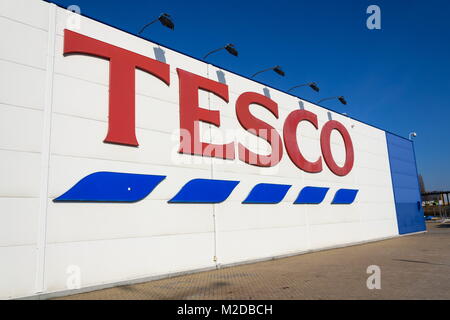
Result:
{"points": [[118, 166]]}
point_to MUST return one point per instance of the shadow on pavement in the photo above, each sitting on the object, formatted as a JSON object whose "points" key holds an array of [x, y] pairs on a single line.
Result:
{"points": [[444, 225], [174, 293]]}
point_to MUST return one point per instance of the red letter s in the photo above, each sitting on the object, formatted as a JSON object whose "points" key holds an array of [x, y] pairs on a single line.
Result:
{"points": [[260, 129]]}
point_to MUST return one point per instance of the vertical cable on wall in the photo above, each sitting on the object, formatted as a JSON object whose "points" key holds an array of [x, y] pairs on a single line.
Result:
{"points": [[45, 154], [212, 177]]}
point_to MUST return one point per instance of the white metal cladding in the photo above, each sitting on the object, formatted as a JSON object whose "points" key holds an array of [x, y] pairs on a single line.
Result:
{"points": [[47, 144]]}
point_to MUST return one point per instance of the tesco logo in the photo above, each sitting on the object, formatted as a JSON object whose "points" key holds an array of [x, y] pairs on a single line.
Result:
{"points": [[121, 121]]}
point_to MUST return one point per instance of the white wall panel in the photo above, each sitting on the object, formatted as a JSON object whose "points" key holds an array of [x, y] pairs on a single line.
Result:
{"points": [[18, 270], [252, 244], [12, 47], [149, 218], [334, 234], [21, 85], [115, 260], [20, 128], [33, 13], [20, 174], [378, 229], [18, 218], [235, 216]]}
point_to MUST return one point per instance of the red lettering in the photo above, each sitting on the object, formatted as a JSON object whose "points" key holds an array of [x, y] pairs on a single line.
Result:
{"points": [[121, 122], [325, 142], [191, 114], [260, 129], [290, 140]]}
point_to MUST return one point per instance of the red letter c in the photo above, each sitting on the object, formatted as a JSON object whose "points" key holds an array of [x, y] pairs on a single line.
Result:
{"points": [[290, 140]]}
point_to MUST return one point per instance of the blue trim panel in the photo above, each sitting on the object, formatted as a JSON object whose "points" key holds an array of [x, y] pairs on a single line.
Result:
{"points": [[205, 191], [267, 193], [405, 184], [311, 195], [345, 196], [111, 187]]}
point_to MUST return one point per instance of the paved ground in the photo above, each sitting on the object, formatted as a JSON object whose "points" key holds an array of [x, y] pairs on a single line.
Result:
{"points": [[412, 267]]}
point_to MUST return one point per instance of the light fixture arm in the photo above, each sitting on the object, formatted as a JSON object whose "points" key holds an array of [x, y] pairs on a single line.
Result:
{"points": [[325, 99], [214, 51], [262, 71], [147, 25], [300, 85]]}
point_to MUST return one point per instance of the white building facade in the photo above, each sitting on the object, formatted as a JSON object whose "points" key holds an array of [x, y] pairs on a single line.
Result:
{"points": [[122, 160]]}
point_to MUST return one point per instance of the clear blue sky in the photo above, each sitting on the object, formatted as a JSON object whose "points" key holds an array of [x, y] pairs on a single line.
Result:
{"points": [[396, 78]]}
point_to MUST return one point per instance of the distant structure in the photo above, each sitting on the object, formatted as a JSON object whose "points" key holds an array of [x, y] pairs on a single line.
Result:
{"points": [[440, 197], [437, 204]]}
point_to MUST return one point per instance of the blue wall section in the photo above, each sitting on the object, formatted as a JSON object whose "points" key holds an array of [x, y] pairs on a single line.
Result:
{"points": [[410, 216]]}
